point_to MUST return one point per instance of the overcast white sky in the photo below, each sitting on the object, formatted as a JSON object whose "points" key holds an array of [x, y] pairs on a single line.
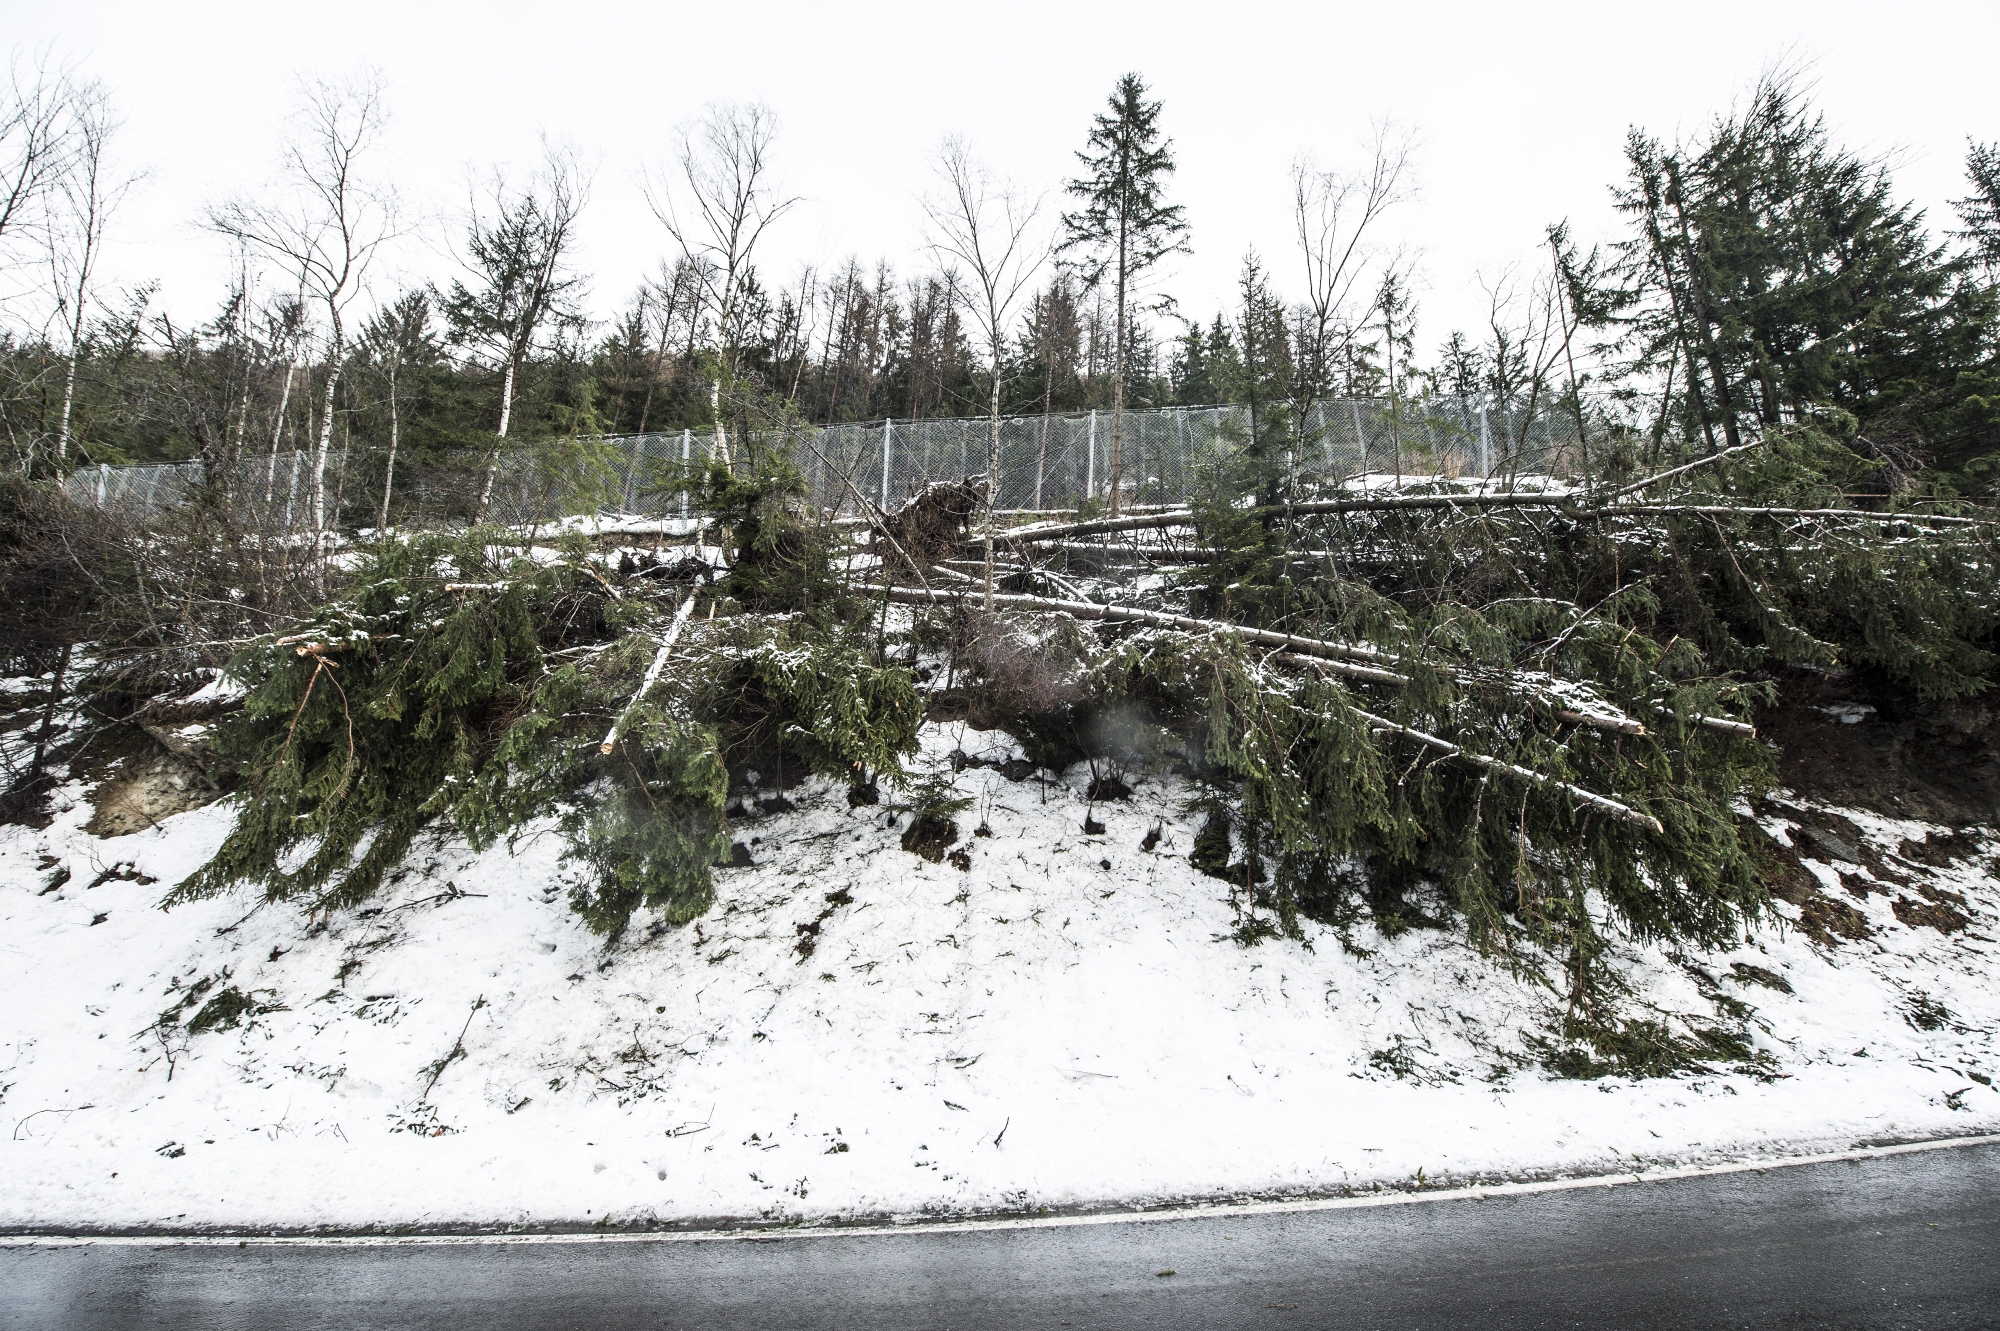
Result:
{"points": [[1519, 109]]}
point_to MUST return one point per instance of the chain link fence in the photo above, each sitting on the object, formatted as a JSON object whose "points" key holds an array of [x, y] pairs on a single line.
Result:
{"points": [[1053, 462]]}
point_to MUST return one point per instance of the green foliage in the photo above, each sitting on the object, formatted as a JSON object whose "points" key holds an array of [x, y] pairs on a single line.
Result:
{"points": [[1249, 579], [780, 548], [646, 818], [364, 727], [1125, 226], [1641, 1047], [804, 701], [456, 680], [932, 802], [1780, 274], [1507, 626], [1319, 795], [1919, 603]]}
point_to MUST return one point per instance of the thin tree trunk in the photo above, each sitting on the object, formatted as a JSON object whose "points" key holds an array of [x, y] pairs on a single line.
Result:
{"points": [[340, 473], [1698, 296], [278, 429], [653, 369], [992, 475], [499, 437], [49, 712], [719, 450], [1042, 452], [69, 397], [235, 453], [1395, 433], [395, 433], [1118, 380], [320, 449], [1575, 396]]}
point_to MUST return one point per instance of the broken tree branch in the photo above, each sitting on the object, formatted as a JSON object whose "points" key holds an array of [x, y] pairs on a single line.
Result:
{"points": [[653, 670], [1624, 813]]}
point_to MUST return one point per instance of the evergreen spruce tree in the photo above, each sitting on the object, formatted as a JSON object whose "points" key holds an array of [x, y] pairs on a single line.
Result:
{"points": [[1783, 276], [1980, 210], [1249, 579], [1124, 227]]}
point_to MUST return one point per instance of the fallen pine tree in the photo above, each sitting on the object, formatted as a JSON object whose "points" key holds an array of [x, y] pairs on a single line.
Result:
{"points": [[1538, 714], [1359, 677]]}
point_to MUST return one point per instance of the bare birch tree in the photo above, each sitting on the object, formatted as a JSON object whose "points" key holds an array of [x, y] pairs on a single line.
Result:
{"points": [[1334, 219], [328, 229], [721, 173], [80, 204], [517, 248], [984, 224], [36, 124], [1524, 327]]}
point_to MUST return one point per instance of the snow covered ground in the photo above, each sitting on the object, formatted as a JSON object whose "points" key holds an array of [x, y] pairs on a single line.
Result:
{"points": [[855, 1032]]}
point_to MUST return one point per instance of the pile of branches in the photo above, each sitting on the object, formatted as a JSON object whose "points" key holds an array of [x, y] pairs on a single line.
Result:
{"points": [[457, 681], [1534, 701], [1539, 699]]}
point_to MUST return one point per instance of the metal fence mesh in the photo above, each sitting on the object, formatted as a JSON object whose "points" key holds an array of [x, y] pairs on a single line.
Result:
{"points": [[1046, 462]]}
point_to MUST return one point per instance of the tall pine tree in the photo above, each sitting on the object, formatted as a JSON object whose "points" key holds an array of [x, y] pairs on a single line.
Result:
{"points": [[1125, 227]]}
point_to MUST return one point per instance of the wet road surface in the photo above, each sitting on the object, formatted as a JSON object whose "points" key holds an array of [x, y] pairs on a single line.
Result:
{"points": [[1903, 1241]]}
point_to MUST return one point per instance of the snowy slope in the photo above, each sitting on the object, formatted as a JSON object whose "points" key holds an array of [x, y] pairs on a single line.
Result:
{"points": [[1065, 1024]]}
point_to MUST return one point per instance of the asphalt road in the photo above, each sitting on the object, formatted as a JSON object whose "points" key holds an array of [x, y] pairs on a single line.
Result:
{"points": [[1905, 1241]]}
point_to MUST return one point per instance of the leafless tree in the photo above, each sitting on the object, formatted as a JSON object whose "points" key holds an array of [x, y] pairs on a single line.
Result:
{"points": [[720, 174], [1525, 330], [1335, 219], [984, 224], [80, 204], [327, 227], [36, 133]]}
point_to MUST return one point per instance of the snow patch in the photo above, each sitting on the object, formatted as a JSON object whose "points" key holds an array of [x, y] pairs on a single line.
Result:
{"points": [[1065, 1023]]}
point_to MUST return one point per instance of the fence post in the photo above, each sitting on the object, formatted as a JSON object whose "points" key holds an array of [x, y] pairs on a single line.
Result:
{"points": [[1090, 448], [687, 441], [1355, 404], [1484, 466], [103, 475], [888, 449]]}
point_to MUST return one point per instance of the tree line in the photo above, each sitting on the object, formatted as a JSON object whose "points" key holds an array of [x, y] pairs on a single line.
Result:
{"points": [[1766, 274]]}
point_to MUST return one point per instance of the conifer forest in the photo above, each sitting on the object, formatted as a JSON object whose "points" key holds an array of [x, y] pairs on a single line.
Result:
{"points": [[1517, 634]]}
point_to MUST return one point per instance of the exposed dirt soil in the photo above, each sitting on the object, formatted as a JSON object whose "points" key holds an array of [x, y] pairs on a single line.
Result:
{"points": [[933, 524], [1856, 741], [144, 789]]}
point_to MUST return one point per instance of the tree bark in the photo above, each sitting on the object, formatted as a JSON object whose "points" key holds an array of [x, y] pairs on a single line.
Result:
{"points": [[49, 712], [278, 428], [499, 437], [1118, 376], [395, 433], [992, 474], [69, 396]]}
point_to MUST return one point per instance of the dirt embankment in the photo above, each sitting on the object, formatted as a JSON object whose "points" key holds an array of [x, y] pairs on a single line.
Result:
{"points": [[1852, 741]]}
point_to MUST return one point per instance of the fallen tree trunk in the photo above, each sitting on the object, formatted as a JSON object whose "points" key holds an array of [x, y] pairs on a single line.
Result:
{"points": [[653, 670], [1624, 813], [1358, 660], [1350, 658]]}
